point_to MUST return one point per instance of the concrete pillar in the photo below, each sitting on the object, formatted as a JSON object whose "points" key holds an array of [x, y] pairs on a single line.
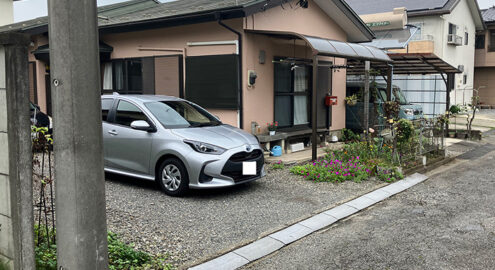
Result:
{"points": [[78, 143], [16, 214]]}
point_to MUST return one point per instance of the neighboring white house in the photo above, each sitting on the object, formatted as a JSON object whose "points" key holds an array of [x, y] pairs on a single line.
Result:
{"points": [[7, 12], [447, 29]]}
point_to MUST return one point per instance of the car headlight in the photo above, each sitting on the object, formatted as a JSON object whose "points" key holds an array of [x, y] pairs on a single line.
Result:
{"points": [[409, 112], [205, 148]]}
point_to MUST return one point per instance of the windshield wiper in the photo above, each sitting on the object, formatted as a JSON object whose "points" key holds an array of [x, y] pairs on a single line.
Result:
{"points": [[207, 124]]}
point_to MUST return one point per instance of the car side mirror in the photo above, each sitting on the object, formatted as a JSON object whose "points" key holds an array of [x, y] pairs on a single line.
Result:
{"points": [[141, 125]]}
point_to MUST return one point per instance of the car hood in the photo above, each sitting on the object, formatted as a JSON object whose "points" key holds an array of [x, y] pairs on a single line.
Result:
{"points": [[225, 136]]}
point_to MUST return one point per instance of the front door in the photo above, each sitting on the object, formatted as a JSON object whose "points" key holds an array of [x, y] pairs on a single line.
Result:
{"points": [[127, 149]]}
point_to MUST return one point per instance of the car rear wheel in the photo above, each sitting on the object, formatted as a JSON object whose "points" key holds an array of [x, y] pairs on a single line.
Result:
{"points": [[172, 177]]}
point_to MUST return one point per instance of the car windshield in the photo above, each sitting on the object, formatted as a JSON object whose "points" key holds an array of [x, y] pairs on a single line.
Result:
{"points": [[400, 96], [181, 114]]}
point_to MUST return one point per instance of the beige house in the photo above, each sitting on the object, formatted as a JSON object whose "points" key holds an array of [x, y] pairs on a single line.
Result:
{"points": [[484, 73], [242, 60]]}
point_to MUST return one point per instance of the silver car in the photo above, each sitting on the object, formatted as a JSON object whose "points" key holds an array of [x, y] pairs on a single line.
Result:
{"points": [[177, 143]]}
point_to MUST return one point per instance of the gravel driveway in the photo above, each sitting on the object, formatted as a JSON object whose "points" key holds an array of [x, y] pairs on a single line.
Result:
{"points": [[207, 222]]}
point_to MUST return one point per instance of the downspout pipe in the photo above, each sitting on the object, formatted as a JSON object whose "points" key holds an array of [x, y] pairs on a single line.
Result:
{"points": [[240, 83]]}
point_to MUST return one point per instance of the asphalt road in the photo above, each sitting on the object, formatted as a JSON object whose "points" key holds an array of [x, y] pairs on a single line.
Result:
{"points": [[446, 222]]}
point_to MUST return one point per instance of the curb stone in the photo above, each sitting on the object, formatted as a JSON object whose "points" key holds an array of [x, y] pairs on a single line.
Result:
{"points": [[275, 241]]}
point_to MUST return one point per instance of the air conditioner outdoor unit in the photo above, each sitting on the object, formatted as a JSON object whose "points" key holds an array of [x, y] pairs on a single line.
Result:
{"points": [[454, 40]]}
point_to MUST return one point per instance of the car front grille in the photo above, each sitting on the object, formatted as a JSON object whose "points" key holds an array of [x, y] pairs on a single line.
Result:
{"points": [[233, 167]]}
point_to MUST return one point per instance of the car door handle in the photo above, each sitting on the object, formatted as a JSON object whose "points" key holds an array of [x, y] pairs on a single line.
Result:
{"points": [[113, 132]]}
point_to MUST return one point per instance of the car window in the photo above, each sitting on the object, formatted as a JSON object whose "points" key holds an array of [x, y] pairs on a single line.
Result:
{"points": [[106, 105], [127, 113]]}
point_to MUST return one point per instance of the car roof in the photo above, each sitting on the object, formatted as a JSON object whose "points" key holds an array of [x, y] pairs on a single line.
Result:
{"points": [[144, 98]]}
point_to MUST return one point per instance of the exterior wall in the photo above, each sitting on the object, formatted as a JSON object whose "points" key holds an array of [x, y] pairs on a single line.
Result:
{"points": [[311, 21], [461, 55], [259, 99], [485, 57], [39, 40], [173, 41], [485, 77]]}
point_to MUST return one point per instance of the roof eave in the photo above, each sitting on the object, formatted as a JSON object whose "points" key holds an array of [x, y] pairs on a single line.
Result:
{"points": [[356, 20]]}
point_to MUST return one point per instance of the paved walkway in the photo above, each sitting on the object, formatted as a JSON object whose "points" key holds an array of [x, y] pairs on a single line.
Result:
{"points": [[446, 222]]}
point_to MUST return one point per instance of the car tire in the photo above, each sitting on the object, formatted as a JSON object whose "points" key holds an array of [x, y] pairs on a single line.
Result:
{"points": [[172, 177]]}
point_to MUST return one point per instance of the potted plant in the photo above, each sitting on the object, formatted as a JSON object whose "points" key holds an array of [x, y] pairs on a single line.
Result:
{"points": [[351, 100], [272, 127]]}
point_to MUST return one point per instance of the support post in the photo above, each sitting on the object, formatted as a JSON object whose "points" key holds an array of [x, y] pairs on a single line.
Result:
{"points": [[366, 97], [78, 144], [314, 122], [449, 83], [389, 82], [19, 233]]}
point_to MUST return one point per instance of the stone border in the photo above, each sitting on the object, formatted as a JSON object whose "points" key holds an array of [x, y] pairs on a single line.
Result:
{"points": [[275, 241]]}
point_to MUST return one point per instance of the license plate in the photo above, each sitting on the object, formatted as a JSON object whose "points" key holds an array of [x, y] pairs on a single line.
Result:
{"points": [[249, 168]]}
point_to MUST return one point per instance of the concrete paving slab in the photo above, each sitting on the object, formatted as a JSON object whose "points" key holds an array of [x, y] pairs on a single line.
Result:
{"points": [[378, 195], [341, 211], [394, 188], [229, 261], [361, 202], [318, 222], [292, 233], [259, 248], [414, 179]]}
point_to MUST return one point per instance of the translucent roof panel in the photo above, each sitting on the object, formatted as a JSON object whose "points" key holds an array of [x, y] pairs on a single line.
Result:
{"points": [[392, 39], [321, 44], [361, 50], [326, 47]]}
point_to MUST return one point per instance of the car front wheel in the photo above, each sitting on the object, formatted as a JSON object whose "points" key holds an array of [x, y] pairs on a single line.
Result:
{"points": [[172, 177]]}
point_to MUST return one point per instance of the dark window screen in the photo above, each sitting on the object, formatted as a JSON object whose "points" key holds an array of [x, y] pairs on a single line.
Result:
{"points": [[212, 81], [492, 40], [127, 113], [135, 76], [106, 105], [480, 41]]}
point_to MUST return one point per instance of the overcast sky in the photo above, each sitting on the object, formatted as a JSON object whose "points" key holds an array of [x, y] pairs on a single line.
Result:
{"points": [[30, 9]]}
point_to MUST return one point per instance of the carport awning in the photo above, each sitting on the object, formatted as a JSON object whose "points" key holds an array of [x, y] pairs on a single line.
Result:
{"points": [[333, 48], [408, 63]]}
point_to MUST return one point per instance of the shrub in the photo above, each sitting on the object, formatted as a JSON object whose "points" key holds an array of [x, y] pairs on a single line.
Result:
{"points": [[355, 162], [388, 174], [278, 165], [405, 131], [332, 169], [121, 256], [349, 136]]}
